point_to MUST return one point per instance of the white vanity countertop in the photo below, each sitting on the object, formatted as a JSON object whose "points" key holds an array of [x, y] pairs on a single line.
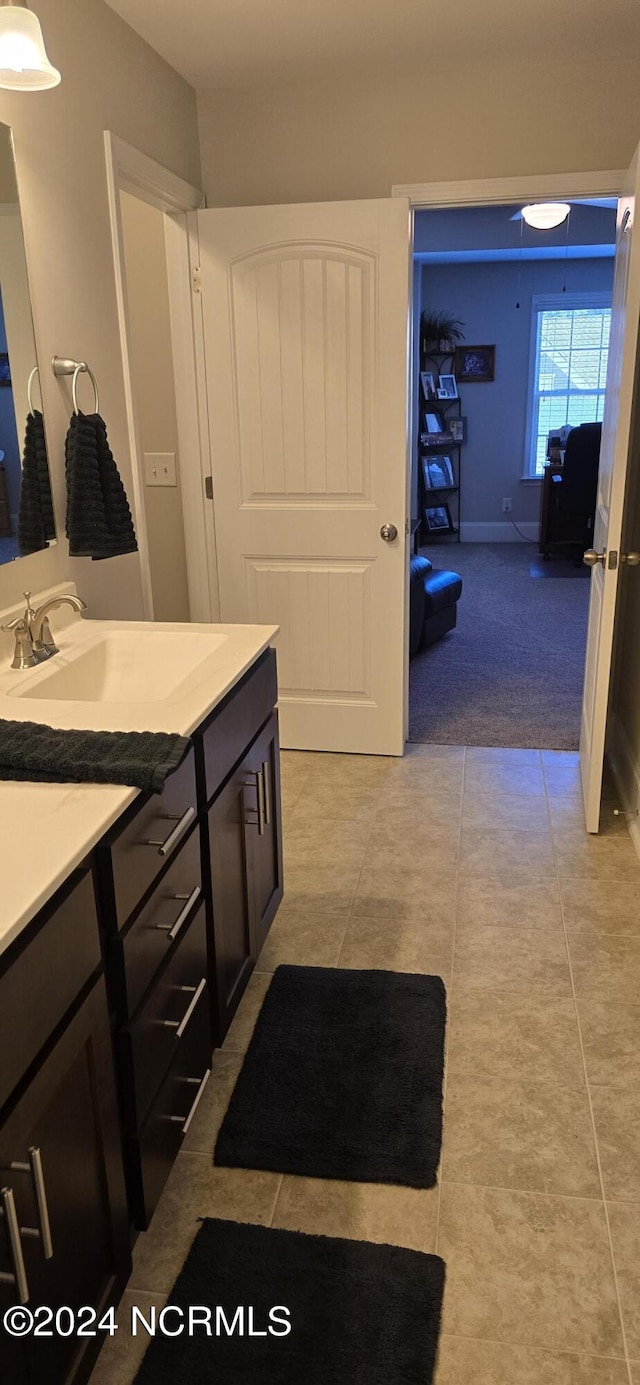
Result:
{"points": [[46, 830]]}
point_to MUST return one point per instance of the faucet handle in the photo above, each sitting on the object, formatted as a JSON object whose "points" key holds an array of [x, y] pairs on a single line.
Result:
{"points": [[13, 625]]}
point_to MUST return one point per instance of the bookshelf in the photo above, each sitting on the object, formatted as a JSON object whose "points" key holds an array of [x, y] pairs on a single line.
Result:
{"points": [[446, 495]]}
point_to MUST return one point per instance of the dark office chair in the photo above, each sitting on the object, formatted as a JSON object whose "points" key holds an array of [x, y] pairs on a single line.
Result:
{"points": [[575, 491]]}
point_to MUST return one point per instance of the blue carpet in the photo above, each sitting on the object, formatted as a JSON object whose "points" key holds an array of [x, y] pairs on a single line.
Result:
{"points": [[511, 673]]}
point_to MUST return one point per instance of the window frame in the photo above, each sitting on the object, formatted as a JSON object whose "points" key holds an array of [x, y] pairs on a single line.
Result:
{"points": [[542, 302]]}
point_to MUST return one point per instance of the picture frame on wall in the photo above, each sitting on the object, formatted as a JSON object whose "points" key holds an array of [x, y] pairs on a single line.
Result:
{"points": [[437, 519], [437, 473], [475, 364], [428, 382], [448, 387], [458, 428]]}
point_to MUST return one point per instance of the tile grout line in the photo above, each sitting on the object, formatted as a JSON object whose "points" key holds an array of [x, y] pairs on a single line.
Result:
{"points": [[450, 998], [276, 1200], [591, 1112]]}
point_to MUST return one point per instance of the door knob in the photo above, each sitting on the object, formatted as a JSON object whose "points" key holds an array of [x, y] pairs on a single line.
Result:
{"points": [[631, 559], [591, 558], [388, 532]]}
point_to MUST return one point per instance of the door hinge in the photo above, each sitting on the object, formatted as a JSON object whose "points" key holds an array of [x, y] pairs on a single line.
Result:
{"points": [[196, 278], [208, 487]]}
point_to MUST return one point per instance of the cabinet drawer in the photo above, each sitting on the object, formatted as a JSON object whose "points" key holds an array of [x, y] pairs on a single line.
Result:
{"points": [[151, 1156], [156, 1031], [139, 953], [235, 724], [65, 950], [139, 852]]}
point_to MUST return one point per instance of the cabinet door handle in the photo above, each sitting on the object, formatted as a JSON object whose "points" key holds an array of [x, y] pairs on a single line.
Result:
{"points": [[266, 779], [259, 785], [172, 929], [164, 847], [262, 814], [201, 1086], [19, 1276], [180, 1025], [43, 1232]]}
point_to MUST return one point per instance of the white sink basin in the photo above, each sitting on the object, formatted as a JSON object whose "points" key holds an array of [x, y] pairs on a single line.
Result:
{"points": [[121, 666]]}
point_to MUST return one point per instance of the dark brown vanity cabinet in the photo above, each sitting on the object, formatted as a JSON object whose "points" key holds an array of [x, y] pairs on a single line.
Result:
{"points": [[265, 864], [186, 884], [64, 1236], [243, 833], [189, 883]]}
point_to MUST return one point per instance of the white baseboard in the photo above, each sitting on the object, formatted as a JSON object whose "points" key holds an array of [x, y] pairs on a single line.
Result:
{"points": [[626, 772], [502, 532]]}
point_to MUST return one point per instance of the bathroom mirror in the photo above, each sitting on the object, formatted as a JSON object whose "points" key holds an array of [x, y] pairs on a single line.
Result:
{"points": [[26, 508]]}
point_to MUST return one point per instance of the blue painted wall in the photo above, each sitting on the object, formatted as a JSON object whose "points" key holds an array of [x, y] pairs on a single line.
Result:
{"points": [[484, 296]]}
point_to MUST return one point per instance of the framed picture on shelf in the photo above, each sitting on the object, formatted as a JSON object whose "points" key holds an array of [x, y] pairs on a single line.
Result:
{"points": [[476, 364], [458, 429], [437, 473], [428, 382], [437, 519], [433, 422], [448, 387]]}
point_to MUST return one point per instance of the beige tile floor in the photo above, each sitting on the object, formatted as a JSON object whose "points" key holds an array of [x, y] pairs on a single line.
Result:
{"points": [[475, 865]]}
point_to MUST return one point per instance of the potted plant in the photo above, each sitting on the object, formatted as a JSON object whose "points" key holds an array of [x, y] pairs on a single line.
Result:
{"points": [[439, 331]]}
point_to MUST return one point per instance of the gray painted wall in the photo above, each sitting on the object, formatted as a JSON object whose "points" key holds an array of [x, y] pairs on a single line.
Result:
{"points": [[484, 296]]}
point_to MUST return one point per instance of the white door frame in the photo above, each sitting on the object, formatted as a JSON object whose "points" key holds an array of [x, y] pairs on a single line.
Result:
{"points": [[129, 170], [477, 192]]}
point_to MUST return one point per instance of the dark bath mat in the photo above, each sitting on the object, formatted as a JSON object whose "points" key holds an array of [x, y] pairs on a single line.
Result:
{"points": [[360, 1314], [342, 1079]]}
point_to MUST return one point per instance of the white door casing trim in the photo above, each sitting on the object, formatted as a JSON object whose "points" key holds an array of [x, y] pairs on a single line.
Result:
{"points": [[129, 170], [477, 192]]}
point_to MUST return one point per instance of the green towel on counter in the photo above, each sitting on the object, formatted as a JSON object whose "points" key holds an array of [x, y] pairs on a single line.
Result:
{"points": [[41, 754]]}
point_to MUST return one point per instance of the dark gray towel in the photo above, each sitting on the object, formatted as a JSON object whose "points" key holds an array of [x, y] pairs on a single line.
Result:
{"points": [[41, 754], [36, 524], [99, 523]]}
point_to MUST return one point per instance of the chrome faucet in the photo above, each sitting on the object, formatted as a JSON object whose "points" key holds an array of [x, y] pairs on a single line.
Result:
{"points": [[34, 641]]}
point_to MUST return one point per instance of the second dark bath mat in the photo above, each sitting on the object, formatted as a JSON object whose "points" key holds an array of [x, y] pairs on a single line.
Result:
{"points": [[342, 1079]]}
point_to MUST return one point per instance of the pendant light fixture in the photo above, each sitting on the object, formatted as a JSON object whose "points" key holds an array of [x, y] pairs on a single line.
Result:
{"points": [[24, 65], [545, 215]]}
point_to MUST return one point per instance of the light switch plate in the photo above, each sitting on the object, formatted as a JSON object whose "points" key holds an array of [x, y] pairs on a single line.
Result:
{"points": [[160, 469]]}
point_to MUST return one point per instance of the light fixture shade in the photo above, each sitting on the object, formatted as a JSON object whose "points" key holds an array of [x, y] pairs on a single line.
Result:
{"points": [[24, 65], [545, 215]]}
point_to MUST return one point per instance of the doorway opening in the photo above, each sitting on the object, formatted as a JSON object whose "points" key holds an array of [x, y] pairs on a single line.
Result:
{"points": [[511, 332]]}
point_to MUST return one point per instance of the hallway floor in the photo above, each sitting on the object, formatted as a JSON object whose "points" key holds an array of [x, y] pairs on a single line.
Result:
{"points": [[473, 865], [511, 672]]}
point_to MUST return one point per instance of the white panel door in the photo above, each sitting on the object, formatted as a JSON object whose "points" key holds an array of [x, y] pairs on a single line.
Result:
{"points": [[614, 459], [306, 315]]}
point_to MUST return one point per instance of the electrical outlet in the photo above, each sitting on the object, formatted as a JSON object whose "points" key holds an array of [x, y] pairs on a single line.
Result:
{"points": [[506, 505]]}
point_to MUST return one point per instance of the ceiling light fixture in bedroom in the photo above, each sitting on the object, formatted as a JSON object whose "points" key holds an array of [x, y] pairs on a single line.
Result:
{"points": [[545, 215], [24, 65]]}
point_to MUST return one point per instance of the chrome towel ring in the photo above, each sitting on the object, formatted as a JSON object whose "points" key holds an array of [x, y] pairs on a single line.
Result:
{"points": [[63, 365], [30, 381]]}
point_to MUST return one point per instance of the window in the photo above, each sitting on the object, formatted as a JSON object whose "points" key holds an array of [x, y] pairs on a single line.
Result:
{"points": [[569, 350]]}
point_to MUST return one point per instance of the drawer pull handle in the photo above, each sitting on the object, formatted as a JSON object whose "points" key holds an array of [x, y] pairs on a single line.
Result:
{"points": [[34, 1167], [266, 779], [172, 929], [164, 847], [180, 1025], [201, 1086], [19, 1276]]}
